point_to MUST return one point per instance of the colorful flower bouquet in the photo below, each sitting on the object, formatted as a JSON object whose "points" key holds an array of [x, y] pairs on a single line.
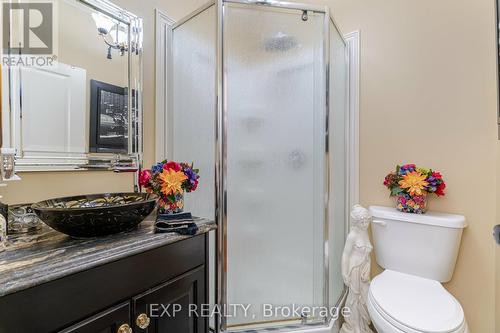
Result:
{"points": [[169, 180], [411, 184]]}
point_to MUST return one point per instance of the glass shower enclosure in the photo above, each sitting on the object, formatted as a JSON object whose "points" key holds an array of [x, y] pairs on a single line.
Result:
{"points": [[258, 101]]}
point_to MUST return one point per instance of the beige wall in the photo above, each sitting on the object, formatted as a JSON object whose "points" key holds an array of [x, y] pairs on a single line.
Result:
{"points": [[497, 255], [497, 316], [428, 95]]}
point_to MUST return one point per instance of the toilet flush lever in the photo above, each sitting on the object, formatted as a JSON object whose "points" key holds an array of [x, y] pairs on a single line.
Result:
{"points": [[381, 223], [496, 233]]}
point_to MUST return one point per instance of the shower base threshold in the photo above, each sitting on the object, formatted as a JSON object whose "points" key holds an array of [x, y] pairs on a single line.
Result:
{"points": [[286, 326]]}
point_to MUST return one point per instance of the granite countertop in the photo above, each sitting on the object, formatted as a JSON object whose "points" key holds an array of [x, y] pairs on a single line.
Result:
{"points": [[31, 260]]}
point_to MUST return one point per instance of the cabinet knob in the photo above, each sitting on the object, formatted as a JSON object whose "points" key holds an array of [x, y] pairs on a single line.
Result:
{"points": [[142, 321], [124, 328]]}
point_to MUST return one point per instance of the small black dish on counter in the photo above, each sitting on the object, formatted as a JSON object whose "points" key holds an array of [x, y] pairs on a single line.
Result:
{"points": [[94, 215]]}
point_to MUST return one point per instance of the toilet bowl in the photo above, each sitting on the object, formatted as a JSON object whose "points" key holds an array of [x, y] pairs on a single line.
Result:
{"points": [[418, 252], [402, 303]]}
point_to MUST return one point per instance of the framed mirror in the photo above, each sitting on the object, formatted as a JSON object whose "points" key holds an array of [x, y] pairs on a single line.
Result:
{"points": [[81, 107]]}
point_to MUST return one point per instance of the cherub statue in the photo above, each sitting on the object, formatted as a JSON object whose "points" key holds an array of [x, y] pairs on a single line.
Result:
{"points": [[356, 272]]}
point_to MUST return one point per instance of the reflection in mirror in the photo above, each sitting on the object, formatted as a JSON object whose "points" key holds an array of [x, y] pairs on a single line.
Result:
{"points": [[114, 33], [108, 118], [75, 113]]}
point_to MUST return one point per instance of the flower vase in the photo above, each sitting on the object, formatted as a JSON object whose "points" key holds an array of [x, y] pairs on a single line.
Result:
{"points": [[171, 207], [416, 204]]}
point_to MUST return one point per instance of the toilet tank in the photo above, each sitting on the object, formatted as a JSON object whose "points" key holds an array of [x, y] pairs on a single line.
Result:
{"points": [[424, 245]]}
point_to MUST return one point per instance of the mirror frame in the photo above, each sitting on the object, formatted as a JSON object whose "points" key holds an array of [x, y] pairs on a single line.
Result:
{"points": [[89, 160]]}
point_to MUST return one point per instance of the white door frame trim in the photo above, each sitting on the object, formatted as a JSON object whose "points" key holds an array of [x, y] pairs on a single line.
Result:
{"points": [[353, 46], [163, 26]]}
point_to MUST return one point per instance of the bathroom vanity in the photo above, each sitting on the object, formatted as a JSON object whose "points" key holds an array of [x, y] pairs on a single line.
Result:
{"points": [[122, 283]]}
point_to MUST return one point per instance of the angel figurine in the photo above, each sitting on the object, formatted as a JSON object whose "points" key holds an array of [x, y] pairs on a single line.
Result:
{"points": [[356, 272]]}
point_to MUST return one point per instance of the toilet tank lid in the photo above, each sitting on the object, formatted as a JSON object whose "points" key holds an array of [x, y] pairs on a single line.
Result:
{"points": [[429, 218]]}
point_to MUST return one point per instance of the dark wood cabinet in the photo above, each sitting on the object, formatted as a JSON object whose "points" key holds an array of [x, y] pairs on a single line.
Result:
{"points": [[172, 307], [108, 321], [103, 298]]}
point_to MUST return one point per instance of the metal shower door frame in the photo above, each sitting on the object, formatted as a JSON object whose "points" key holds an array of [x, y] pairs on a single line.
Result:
{"points": [[221, 151], [220, 148]]}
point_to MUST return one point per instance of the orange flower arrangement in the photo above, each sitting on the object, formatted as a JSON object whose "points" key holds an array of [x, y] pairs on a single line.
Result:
{"points": [[411, 184], [169, 180]]}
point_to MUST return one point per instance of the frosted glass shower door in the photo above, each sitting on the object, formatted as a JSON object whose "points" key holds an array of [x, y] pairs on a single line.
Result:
{"points": [[275, 110], [192, 113], [191, 129]]}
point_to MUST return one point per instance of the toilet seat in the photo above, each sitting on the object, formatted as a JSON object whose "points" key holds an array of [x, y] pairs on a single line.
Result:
{"points": [[412, 304]]}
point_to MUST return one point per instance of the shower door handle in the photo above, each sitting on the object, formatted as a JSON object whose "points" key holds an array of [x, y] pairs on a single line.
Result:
{"points": [[496, 233]]}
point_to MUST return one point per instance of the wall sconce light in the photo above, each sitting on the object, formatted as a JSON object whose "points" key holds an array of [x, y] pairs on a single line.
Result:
{"points": [[113, 33]]}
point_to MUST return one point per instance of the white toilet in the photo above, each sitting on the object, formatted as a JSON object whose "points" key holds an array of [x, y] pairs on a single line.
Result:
{"points": [[418, 253]]}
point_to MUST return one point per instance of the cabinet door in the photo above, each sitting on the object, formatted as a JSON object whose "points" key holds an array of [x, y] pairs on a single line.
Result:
{"points": [[108, 321], [168, 306]]}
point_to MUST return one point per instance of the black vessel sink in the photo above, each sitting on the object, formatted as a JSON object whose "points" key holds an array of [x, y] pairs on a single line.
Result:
{"points": [[97, 214]]}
